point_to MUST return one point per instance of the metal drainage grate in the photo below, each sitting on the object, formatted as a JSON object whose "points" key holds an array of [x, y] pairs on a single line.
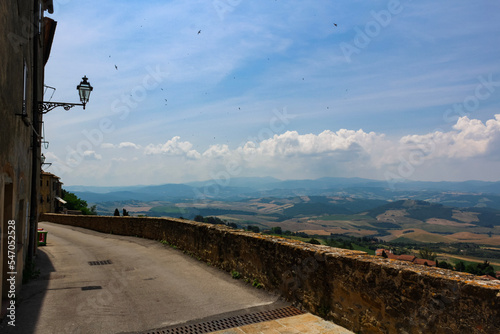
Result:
{"points": [[100, 263], [236, 321]]}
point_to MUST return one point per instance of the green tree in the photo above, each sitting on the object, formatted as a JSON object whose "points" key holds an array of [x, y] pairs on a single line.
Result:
{"points": [[277, 230], [199, 219], [252, 228], [314, 242], [125, 212], [73, 202], [214, 220], [332, 243], [302, 234], [471, 269], [444, 265], [460, 266], [485, 269], [117, 213], [426, 253]]}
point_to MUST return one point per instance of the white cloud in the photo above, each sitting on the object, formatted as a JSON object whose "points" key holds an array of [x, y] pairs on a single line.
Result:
{"points": [[193, 155], [91, 155], [292, 143], [107, 145], [128, 145], [173, 147], [470, 144], [471, 138], [125, 144], [217, 151]]}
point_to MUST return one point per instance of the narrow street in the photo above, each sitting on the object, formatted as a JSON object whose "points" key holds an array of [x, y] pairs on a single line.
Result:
{"points": [[138, 285]]}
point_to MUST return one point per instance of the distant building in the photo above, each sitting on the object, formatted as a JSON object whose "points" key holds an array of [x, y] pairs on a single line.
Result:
{"points": [[425, 262], [50, 194], [25, 44], [405, 257], [381, 251]]}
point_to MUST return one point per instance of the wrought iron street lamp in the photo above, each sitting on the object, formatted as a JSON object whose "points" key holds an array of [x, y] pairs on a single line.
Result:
{"points": [[84, 89]]}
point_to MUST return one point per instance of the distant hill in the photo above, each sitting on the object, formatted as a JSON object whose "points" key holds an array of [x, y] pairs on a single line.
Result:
{"points": [[393, 220], [254, 183], [461, 194], [165, 192], [320, 205], [423, 211]]}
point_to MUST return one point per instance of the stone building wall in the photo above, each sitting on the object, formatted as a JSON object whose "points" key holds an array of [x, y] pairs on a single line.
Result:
{"points": [[50, 189], [16, 117], [363, 293], [23, 54]]}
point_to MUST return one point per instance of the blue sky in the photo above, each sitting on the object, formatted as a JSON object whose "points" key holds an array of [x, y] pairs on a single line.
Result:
{"points": [[197, 90]]}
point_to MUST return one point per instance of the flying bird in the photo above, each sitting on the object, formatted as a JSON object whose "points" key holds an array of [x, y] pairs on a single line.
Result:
{"points": [[116, 67], [199, 32], [335, 24]]}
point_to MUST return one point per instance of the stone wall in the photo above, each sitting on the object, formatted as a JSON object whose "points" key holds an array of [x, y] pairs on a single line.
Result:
{"points": [[363, 293], [21, 78]]}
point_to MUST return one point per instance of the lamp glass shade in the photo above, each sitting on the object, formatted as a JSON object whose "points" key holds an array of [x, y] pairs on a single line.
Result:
{"points": [[84, 89]]}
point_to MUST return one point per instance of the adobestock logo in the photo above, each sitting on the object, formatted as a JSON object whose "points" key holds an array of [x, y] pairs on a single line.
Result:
{"points": [[471, 103], [417, 154], [371, 30]]}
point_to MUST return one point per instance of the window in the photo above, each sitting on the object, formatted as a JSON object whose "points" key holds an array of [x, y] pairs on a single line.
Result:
{"points": [[40, 16]]}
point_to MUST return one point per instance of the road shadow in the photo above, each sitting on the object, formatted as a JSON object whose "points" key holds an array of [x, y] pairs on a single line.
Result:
{"points": [[30, 300]]}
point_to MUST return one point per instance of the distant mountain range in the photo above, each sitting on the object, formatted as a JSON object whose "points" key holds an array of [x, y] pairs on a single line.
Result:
{"points": [[458, 194]]}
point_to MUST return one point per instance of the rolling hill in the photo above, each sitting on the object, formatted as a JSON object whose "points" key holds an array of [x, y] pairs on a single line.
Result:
{"points": [[456, 194]]}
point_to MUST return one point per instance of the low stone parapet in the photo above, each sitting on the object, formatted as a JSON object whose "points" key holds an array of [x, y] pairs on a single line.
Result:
{"points": [[363, 293]]}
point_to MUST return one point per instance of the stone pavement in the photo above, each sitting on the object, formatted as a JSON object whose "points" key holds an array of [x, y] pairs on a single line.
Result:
{"points": [[304, 323], [96, 283]]}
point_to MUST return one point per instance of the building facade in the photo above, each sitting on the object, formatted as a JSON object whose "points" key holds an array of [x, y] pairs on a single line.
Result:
{"points": [[25, 41], [50, 194]]}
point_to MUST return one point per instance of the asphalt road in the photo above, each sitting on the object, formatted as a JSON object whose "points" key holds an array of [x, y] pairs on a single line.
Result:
{"points": [[145, 286]]}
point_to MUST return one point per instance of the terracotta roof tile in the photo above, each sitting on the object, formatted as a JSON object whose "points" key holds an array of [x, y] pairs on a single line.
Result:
{"points": [[424, 262]]}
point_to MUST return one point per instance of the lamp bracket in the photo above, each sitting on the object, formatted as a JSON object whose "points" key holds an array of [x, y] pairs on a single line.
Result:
{"points": [[44, 107]]}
